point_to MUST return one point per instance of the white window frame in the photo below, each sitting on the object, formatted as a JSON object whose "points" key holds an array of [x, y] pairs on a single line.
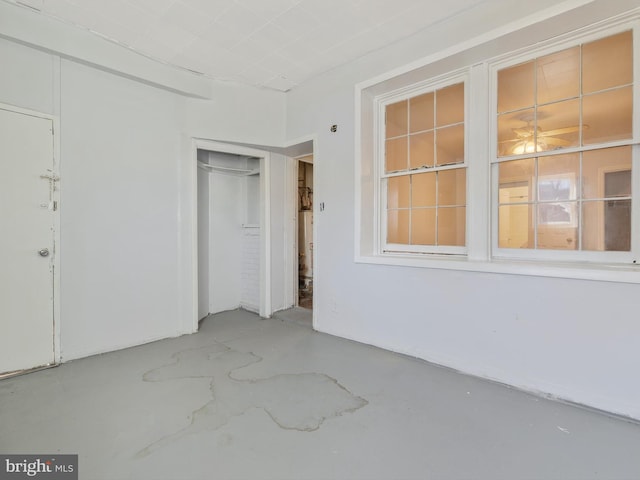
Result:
{"points": [[477, 57], [381, 102], [572, 256]]}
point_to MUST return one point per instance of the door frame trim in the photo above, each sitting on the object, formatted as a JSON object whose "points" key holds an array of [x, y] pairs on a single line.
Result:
{"points": [[293, 200], [55, 259]]}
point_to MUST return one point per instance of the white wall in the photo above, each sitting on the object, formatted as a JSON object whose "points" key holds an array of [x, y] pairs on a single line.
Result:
{"points": [[252, 185], [120, 145], [574, 339], [128, 173], [281, 234], [251, 238], [119, 194], [250, 269], [29, 81], [225, 242], [238, 113]]}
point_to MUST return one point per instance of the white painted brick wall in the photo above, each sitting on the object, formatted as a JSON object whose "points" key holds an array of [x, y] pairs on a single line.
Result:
{"points": [[250, 275]]}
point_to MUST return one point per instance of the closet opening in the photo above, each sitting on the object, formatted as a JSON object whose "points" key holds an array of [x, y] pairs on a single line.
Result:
{"points": [[232, 229]]}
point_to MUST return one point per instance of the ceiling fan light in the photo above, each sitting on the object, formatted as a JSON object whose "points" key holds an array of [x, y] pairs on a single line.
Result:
{"points": [[527, 146]]}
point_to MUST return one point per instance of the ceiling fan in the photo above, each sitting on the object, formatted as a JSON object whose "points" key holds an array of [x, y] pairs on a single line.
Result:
{"points": [[525, 141]]}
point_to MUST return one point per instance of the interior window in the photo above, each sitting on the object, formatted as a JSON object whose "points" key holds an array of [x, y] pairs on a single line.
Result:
{"points": [[424, 169], [564, 134]]}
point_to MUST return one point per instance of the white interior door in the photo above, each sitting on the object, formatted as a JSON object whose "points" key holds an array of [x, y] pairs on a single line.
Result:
{"points": [[26, 242]]}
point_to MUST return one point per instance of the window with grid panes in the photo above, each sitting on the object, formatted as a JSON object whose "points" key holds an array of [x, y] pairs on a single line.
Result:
{"points": [[564, 149], [424, 177]]}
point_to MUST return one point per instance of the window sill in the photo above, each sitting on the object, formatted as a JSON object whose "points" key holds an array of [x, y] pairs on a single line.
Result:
{"points": [[574, 271]]}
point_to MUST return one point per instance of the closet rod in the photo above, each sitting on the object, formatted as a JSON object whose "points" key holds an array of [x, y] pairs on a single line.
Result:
{"points": [[227, 169]]}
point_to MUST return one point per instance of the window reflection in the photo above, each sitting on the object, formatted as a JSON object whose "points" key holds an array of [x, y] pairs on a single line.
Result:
{"points": [[581, 96], [426, 132], [541, 107], [594, 214]]}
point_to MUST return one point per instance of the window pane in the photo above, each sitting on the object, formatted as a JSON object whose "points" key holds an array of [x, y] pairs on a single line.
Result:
{"points": [[421, 113], [516, 180], [451, 226], [617, 184], [396, 154], [515, 226], [557, 214], [557, 177], [607, 62], [598, 166], [516, 133], [398, 192], [421, 150], [581, 96], [558, 226], [397, 119], [514, 193], [398, 226], [516, 87], [606, 225], [607, 116], [450, 105], [559, 125], [423, 191], [559, 76], [450, 145], [452, 185], [423, 226], [617, 225], [413, 215]]}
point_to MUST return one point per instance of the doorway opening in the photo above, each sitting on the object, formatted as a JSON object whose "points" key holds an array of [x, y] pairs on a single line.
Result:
{"points": [[305, 231], [617, 213], [232, 229]]}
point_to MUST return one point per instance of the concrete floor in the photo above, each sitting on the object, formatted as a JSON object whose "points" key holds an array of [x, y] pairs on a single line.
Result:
{"points": [[271, 399]]}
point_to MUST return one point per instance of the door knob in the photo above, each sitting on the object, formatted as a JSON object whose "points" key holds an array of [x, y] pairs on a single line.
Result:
{"points": [[44, 252]]}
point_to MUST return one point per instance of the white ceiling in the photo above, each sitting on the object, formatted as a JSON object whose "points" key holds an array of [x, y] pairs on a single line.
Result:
{"points": [[274, 44]]}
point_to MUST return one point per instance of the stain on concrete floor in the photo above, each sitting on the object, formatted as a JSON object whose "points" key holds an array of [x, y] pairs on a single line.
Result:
{"points": [[294, 401]]}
